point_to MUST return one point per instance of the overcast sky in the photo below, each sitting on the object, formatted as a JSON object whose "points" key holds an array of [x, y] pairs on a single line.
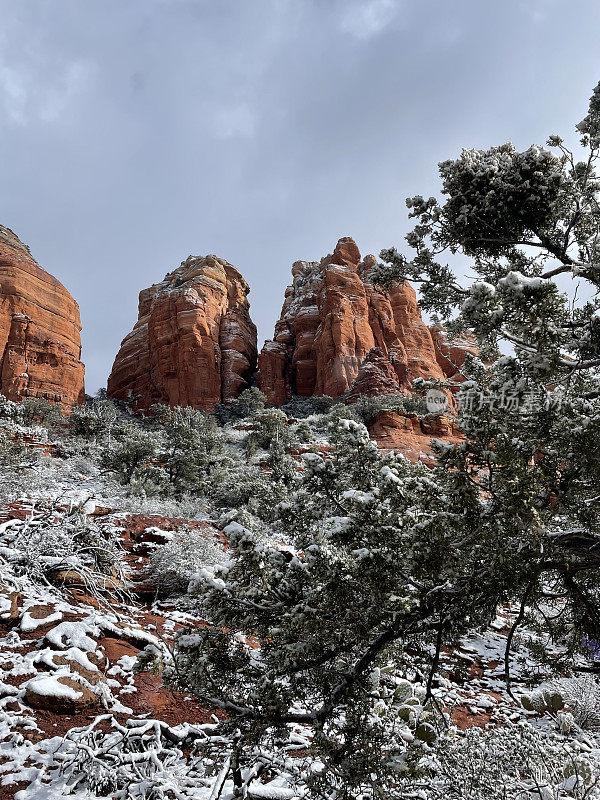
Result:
{"points": [[136, 132]]}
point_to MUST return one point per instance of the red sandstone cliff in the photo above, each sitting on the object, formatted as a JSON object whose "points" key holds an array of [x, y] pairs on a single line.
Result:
{"points": [[194, 343], [412, 436], [40, 342], [331, 321], [451, 353]]}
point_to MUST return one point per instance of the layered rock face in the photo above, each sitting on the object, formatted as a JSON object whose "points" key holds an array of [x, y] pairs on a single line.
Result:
{"points": [[376, 376], [412, 436], [40, 342], [337, 333], [194, 343], [451, 353]]}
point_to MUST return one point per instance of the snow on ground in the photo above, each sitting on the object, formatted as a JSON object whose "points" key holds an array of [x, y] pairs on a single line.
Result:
{"points": [[70, 694]]}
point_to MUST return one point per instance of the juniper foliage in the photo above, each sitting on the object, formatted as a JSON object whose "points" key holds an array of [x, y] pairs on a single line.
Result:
{"points": [[371, 556]]}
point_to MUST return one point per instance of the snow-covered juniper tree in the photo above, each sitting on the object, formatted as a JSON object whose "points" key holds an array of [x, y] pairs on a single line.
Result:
{"points": [[359, 558], [529, 225], [372, 555]]}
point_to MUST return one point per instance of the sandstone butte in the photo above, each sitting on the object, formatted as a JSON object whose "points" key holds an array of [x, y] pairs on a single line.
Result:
{"points": [[40, 330], [194, 343], [339, 335]]}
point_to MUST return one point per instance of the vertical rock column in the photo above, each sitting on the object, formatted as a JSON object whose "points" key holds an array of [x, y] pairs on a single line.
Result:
{"points": [[337, 333], [194, 343], [40, 344]]}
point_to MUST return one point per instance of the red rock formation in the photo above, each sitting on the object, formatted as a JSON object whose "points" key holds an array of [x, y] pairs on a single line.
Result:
{"points": [[411, 435], [376, 376], [451, 353], [331, 319], [194, 343], [40, 340]]}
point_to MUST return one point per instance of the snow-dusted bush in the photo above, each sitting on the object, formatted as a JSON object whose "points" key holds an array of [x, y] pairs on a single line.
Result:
{"points": [[94, 421], [249, 403], [38, 411], [13, 452], [134, 448], [255, 489], [513, 762], [8, 409], [338, 411], [172, 565], [81, 465], [271, 425], [190, 448], [301, 407], [582, 696], [364, 409], [367, 407], [149, 480], [181, 451], [52, 543], [187, 507]]}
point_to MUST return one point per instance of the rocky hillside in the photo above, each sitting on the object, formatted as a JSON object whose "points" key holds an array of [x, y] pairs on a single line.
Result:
{"points": [[97, 572], [193, 344], [40, 343]]}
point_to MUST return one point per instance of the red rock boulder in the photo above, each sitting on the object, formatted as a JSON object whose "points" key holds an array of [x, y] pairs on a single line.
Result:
{"points": [[332, 318], [376, 376], [194, 343], [40, 342], [411, 436]]}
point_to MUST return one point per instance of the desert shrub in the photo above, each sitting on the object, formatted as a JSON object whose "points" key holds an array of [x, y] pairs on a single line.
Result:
{"points": [[271, 426], [282, 467], [301, 433], [173, 565], [582, 697], [134, 448], [38, 411], [13, 452], [364, 410], [367, 407], [149, 480], [75, 446], [246, 405], [8, 409], [95, 420], [238, 485], [249, 488], [82, 465], [302, 407], [510, 762], [337, 412], [187, 507], [192, 447], [85, 422]]}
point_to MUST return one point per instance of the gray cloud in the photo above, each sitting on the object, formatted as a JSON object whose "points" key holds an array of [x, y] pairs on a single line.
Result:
{"points": [[366, 18], [133, 134]]}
